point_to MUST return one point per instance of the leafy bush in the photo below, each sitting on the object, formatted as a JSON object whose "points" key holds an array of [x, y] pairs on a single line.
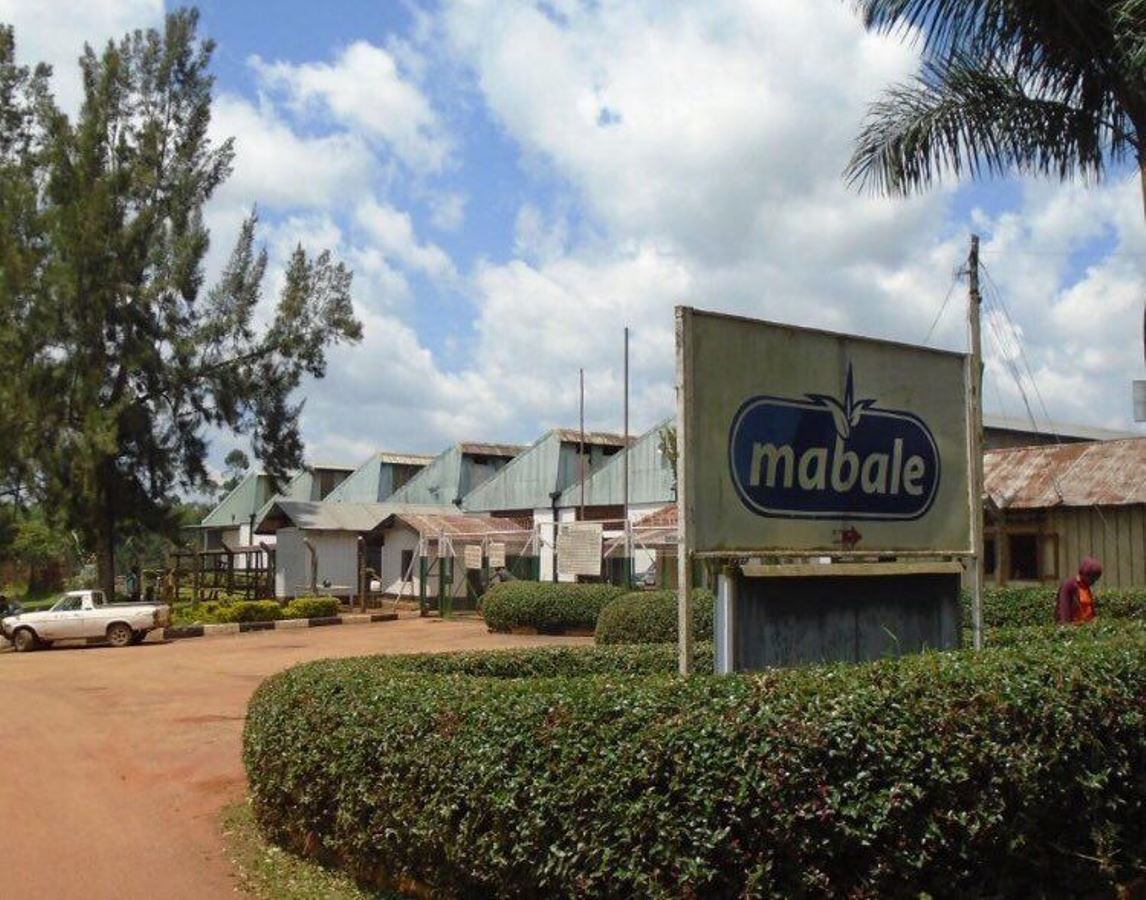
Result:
{"points": [[1012, 607], [544, 605], [312, 608], [221, 612], [650, 617], [250, 611], [1012, 772]]}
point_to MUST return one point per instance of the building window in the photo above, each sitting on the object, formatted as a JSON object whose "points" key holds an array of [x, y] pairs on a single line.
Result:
{"points": [[1023, 552], [989, 560], [407, 561]]}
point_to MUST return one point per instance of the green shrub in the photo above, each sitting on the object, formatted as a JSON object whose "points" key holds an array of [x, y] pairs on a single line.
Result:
{"points": [[312, 608], [650, 617], [250, 611], [1013, 772], [1014, 607], [544, 605]]}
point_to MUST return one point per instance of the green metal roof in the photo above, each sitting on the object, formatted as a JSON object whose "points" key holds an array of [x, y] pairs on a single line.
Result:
{"points": [[323, 515], [249, 496], [650, 476], [455, 472], [373, 481], [550, 464]]}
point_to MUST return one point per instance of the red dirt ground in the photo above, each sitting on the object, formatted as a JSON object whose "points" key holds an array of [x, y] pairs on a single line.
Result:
{"points": [[117, 763]]}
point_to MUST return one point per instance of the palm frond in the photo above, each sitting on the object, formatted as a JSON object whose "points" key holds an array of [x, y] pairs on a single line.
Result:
{"points": [[960, 118], [1066, 46]]}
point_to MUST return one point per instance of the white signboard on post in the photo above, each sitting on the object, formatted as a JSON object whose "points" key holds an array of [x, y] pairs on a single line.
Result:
{"points": [[579, 548], [496, 555], [802, 442], [473, 556]]}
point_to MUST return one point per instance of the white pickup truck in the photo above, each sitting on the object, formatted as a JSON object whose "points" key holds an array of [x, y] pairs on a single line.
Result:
{"points": [[81, 615]]}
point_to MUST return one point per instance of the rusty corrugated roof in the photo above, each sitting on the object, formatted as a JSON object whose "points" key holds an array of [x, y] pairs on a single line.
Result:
{"points": [[593, 438], [432, 525], [1102, 473], [664, 517], [479, 449]]}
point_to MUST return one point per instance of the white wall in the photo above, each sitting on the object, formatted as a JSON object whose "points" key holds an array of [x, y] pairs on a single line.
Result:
{"points": [[337, 553], [291, 564], [397, 540], [546, 538]]}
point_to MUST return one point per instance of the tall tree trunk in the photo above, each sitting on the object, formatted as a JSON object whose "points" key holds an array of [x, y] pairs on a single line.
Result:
{"points": [[105, 532]]}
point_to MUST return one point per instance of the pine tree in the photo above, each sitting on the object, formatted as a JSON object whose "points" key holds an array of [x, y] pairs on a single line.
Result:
{"points": [[115, 357]]}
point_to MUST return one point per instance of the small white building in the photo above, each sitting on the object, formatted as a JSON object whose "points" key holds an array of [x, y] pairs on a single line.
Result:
{"points": [[329, 543]]}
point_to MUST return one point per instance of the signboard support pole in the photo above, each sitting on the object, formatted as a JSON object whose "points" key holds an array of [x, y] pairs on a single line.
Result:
{"points": [[725, 621], [625, 473], [683, 549], [975, 401]]}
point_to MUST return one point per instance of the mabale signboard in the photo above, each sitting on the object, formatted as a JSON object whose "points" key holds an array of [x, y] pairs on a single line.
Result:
{"points": [[807, 441]]}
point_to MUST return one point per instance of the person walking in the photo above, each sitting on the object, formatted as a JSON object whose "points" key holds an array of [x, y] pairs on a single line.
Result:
{"points": [[1076, 594]]}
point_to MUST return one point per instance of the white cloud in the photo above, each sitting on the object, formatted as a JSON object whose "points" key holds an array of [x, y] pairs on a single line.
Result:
{"points": [[47, 33], [365, 90], [275, 166], [720, 112], [711, 139], [393, 232], [447, 210]]}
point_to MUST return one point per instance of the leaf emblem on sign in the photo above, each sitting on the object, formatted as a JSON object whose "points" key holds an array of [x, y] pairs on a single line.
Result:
{"points": [[845, 414]]}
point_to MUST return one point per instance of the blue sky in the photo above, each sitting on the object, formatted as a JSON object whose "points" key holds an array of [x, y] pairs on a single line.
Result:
{"points": [[513, 182]]}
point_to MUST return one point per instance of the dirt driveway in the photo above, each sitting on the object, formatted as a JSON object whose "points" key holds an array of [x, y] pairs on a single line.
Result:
{"points": [[117, 763]]}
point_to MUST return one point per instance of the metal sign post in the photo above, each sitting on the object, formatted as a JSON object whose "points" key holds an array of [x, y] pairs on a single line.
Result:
{"points": [[684, 377]]}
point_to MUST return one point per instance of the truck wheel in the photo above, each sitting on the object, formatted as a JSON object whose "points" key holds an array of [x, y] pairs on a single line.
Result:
{"points": [[119, 634], [25, 641], [137, 637]]}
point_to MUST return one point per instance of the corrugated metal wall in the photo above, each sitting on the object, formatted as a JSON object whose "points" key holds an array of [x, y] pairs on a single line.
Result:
{"points": [[1115, 534]]}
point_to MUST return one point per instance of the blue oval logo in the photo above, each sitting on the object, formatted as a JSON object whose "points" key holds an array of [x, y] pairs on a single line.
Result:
{"points": [[823, 458]]}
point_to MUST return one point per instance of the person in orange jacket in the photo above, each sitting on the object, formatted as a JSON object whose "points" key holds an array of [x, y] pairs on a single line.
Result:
{"points": [[1076, 594]]}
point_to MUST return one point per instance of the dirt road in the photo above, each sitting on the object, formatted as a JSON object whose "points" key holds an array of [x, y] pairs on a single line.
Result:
{"points": [[117, 763]]}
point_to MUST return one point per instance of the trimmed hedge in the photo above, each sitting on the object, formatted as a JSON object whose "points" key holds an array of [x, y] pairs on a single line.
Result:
{"points": [[1012, 772], [650, 617], [312, 608], [546, 606], [1015, 607], [250, 611]]}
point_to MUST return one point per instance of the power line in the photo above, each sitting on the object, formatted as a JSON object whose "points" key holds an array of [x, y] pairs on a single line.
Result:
{"points": [[1002, 303], [942, 307], [1064, 254]]}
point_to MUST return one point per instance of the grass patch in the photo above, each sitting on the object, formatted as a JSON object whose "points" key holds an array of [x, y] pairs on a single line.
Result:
{"points": [[271, 873]]}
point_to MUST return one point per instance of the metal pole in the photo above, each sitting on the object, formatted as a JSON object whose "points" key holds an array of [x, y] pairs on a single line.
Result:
{"points": [[974, 306], [581, 448], [683, 557], [625, 472]]}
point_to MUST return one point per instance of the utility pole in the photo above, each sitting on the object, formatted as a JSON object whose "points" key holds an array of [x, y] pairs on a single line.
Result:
{"points": [[975, 401], [625, 473], [581, 448]]}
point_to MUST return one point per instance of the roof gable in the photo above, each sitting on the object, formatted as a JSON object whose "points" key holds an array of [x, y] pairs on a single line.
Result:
{"points": [[455, 472], [550, 464], [244, 501], [374, 480], [651, 478]]}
